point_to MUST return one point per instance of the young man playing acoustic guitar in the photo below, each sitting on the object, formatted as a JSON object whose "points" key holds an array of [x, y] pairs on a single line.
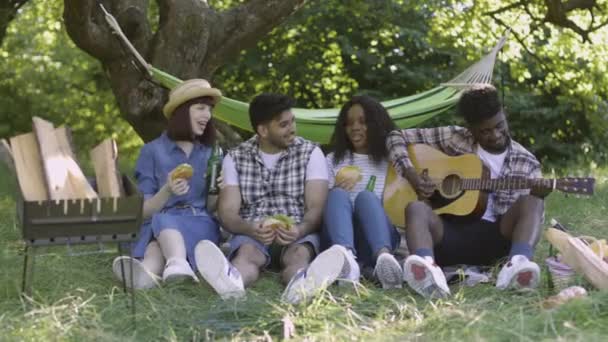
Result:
{"points": [[511, 223]]}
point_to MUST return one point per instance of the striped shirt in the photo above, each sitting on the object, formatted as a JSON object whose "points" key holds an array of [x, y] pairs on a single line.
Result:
{"points": [[454, 141], [368, 168]]}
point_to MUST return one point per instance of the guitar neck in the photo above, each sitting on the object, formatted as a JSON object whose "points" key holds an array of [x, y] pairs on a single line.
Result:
{"points": [[507, 183]]}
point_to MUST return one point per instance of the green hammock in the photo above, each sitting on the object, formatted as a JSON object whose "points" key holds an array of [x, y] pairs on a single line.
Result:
{"points": [[318, 124]]}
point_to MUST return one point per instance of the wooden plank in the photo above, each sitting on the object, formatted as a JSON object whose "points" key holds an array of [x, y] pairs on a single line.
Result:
{"points": [[28, 165], [108, 179], [65, 179], [64, 138]]}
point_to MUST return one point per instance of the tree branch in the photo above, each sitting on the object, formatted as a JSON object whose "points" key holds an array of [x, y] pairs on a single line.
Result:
{"points": [[242, 27], [85, 25], [521, 42], [183, 35], [506, 8], [557, 14]]}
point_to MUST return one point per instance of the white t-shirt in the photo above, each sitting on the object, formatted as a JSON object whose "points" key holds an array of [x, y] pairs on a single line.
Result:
{"points": [[494, 162], [368, 168], [316, 169]]}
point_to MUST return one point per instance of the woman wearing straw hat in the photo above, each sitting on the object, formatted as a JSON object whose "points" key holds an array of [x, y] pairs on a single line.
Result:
{"points": [[175, 195]]}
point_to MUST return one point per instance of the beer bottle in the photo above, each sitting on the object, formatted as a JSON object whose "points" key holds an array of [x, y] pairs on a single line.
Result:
{"points": [[213, 169], [371, 184]]}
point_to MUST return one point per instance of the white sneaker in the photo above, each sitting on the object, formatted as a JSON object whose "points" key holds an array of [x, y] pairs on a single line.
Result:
{"points": [[351, 273], [322, 272], [178, 270], [217, 271], [142, 278], [425, 277], [388, 271], [519, 273]]}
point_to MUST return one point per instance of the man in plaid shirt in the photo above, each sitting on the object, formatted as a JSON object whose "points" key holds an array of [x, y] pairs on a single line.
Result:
{"points": [[511, 224], [274, 172]]}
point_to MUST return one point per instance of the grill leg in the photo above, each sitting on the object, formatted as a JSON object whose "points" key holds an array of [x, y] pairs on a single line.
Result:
{"points": [[124, 282], [122, 269], [28, 271]]}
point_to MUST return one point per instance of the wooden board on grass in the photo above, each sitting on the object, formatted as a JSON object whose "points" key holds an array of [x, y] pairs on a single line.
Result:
{"points": [[104, 157], [28, 165], [65, 179]]}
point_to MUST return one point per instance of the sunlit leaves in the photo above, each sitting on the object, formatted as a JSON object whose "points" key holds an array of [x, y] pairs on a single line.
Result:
{"points": [[43, 73]]}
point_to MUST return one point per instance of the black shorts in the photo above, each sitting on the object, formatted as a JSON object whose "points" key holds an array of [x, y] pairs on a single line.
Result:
{"points": [[472, 243]]}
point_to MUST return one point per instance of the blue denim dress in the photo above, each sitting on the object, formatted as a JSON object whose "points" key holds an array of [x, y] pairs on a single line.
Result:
{"points": [[186, 213]]}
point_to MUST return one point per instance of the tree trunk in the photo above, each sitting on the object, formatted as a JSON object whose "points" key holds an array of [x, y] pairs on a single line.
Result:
{"points": [[192, 41], [8, 11]]}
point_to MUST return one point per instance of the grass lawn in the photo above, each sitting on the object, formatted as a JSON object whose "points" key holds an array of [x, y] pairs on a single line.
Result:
{"points": [[76, 298]]}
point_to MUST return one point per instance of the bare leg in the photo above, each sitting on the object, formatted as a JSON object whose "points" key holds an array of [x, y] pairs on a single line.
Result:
{"points": [[248, 260], [172, 244], [522, 225], [424, 228], [296, 256], [522, 222], [153, 260]]}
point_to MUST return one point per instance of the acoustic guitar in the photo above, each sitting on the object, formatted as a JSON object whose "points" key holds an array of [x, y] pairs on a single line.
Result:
{"points": [[462, 184]]}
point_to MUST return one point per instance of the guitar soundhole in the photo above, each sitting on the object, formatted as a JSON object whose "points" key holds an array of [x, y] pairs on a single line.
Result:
{"points": [[451, 186]]}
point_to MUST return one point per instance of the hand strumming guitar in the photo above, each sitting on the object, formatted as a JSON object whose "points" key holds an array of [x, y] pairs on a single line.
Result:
{"points": [[422, 183]]}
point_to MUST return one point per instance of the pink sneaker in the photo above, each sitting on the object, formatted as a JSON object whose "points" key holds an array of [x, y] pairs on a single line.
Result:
{"points": [[519, 273], [425, 277]]}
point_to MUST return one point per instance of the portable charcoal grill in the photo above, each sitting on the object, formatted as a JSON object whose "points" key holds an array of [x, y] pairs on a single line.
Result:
{"points": [[78, 221]]}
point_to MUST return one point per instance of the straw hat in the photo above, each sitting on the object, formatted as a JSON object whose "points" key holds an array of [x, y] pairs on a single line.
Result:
{"points": [[189, 90]]}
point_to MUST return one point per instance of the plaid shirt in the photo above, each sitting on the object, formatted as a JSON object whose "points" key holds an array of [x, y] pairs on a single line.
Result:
{"points": [[278, 191], [453, 141]]}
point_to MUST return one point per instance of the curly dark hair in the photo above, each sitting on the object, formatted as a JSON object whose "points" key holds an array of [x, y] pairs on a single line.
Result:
{"points": [[479, 103], [379, 125], [266, 107]]}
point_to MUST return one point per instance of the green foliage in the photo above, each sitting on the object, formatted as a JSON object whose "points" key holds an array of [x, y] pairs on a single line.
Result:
{"points": [[330, 50], [555, 84], [44, 74]]}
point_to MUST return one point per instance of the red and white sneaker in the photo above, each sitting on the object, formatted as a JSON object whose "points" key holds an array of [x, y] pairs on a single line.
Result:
{"points": [[519, 273], [425, 277]]}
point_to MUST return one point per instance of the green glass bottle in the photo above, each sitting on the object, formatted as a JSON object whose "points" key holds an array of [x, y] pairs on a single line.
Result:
{"points": [[213, 169], [371, 184]]}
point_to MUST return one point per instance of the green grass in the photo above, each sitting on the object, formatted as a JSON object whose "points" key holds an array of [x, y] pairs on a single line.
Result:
{"points": [[76, 298]]}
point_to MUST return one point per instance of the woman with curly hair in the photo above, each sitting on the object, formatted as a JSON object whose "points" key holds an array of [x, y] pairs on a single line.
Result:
{"points": [[354, 220]]}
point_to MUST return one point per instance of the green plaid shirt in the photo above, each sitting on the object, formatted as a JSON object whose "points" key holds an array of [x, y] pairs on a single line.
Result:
{"points": [[454, 141]]}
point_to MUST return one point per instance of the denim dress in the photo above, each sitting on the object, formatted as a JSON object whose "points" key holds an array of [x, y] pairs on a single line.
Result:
{"points": [[186, 213]]}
